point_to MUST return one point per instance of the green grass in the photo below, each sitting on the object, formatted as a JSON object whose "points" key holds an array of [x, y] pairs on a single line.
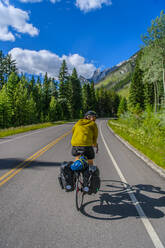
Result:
{"points": [[22, 129], [153, 146]]}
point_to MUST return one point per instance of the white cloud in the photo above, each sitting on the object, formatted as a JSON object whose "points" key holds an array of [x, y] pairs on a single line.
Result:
{"points": [[88, 5], [11, 17], [39, 62]]}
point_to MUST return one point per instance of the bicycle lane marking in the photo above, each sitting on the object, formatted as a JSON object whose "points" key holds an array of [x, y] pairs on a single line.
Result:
{"points": [[7, 176], [149, 228]]}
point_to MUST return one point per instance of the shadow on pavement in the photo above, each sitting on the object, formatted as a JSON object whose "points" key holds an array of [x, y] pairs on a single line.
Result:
{"points": [[10, 163], [113, 201]]}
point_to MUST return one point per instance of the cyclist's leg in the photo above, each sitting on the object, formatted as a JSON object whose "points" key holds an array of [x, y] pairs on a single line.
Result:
{"points": [[75, 153], [90, 154]]}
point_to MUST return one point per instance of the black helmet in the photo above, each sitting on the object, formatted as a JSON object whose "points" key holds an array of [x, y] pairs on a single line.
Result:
{"points": [[91, 113]]}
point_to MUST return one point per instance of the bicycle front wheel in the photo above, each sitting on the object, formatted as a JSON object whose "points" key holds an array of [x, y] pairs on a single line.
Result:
{"points": [[79, 192]]}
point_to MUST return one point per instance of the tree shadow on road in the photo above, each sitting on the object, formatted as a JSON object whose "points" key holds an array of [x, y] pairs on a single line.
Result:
{"points": [[113, 201], [11, 163]]}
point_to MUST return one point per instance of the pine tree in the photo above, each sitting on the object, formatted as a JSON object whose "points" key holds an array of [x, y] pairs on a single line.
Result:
{"points": [[1, 70], [115, 101], [31, 110], [136, 91], [76, 95], [93, 96], [53, 88], [63, 77], [46, 94], [9, 66], [5, 109], [122, 107], [10, 90], [64, 90], [103, 102], [20, 106]]}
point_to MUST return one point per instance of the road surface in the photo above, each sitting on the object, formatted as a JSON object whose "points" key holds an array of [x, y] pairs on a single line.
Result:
{"points": [[127, 212]]}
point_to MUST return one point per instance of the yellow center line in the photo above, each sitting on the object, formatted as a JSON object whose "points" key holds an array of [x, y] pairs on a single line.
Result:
{"points": [[7, 176]]}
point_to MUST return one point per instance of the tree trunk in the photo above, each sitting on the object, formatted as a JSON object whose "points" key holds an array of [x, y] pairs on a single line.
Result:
{"points": [[163, 87], [155, 93]]}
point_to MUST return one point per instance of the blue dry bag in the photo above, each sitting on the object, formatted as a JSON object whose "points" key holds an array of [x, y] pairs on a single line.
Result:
{"points": [[79, 164]]}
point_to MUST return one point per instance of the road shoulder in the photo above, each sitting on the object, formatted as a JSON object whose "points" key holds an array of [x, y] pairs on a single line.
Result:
{"points": [[149, 162]]}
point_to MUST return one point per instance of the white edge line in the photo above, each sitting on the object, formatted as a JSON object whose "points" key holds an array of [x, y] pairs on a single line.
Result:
{"points": [[150, 163], [149, 228], [43, 129]]}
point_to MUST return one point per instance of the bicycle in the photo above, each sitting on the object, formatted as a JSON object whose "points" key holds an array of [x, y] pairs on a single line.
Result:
{"points": [[78, 184], [79, 193]]}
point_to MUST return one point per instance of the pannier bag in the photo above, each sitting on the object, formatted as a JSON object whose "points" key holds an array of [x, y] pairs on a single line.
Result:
{"points": [[95, 181], [66, 175]]}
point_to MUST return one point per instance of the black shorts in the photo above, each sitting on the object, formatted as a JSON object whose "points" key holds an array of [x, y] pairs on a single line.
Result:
{"points": [[88, 151]]}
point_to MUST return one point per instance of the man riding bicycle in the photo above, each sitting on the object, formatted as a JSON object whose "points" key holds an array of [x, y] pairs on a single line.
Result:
{"points": [[84, 139]]}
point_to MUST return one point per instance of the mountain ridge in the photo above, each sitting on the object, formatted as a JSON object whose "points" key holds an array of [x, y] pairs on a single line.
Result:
{"points": [[99, 75]]}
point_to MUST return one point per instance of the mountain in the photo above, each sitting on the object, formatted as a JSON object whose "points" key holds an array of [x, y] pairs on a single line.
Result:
{"points": [[117, 77], [83, 80], [100, 75]]}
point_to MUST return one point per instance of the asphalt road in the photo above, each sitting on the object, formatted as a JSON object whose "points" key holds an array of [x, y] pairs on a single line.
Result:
{"points": [[127, 212]]}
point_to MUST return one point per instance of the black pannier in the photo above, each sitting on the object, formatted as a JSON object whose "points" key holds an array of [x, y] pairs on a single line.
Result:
{"points": [[95, 181], [66, 175]]}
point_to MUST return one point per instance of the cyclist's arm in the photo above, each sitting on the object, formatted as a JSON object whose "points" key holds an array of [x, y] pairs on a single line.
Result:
{"points": [[95, 135]]}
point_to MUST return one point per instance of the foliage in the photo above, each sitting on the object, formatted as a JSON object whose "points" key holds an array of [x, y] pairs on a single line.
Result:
{"points": [[122, 107], [154, 41], [146, 133], [136, 91], [123, 82], [26, 101]]}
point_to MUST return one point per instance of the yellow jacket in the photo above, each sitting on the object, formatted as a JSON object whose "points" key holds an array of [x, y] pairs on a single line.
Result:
{"points": [[85, 133]]}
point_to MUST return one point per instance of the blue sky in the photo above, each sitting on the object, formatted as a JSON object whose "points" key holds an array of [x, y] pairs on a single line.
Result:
{"points": [[89, 34]]}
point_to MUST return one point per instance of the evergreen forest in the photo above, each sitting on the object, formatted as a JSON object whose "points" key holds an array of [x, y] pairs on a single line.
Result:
{"points": [[25, 101]]}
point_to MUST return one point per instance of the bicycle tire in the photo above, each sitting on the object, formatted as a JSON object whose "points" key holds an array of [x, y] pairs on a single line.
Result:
{"points": [[79, 193]]}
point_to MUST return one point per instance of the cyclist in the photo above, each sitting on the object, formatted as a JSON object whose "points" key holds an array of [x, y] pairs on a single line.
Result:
{"points": [[84, 139]]}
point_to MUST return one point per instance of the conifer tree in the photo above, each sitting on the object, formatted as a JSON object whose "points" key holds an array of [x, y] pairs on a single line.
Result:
{"points": [[115, 101], [122, 107], [9, 66], [5, 109], [76, 95], [63, 77], [20, 106], [136, 91], [1, 70], [38, 98], [64, 89], [31, 110], [46, 94], [53, 88], [93, 96]]}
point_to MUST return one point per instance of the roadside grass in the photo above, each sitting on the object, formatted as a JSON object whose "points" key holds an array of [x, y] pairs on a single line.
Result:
{"points": [[22, 129], [150, 144]]}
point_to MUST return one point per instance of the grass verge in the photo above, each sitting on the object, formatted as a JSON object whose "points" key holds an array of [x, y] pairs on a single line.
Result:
{"points": [[22, 129], [150, 146]]}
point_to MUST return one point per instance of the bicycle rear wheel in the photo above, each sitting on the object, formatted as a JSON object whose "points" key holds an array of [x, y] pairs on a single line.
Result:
{"points": [[79, 192]]}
